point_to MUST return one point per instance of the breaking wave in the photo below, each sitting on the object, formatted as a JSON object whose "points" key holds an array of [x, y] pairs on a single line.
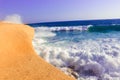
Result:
{"points": [[94, 57], [89, 28], [70, 28]]}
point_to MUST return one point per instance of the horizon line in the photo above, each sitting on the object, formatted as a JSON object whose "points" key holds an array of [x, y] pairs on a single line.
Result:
{"points": [[72, 20]]}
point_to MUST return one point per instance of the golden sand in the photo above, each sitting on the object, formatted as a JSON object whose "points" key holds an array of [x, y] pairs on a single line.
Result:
{"points": [[18, 60]]}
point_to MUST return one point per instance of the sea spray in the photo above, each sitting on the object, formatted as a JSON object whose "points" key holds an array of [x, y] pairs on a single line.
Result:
{"points": [[95, 56], [14, 18]]}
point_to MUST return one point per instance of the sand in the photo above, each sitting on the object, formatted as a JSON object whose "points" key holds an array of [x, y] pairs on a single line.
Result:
{"points": [[18, 60]]}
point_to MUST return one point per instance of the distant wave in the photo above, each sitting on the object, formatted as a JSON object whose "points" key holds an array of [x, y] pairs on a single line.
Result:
{"points": [[65, 28], [89, 28]]}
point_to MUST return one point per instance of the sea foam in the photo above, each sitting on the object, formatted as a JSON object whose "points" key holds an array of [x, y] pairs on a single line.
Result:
{"points": [[64, 28], [90, 59]]}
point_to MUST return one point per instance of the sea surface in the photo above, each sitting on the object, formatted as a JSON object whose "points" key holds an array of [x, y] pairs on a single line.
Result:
{"points": [[86, 50]]}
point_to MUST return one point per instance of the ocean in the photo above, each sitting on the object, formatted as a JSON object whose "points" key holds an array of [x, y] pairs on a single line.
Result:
{"points": [[86, 50]]}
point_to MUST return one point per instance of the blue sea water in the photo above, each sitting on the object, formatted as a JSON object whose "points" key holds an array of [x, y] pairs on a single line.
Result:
{"points": [[78, 23], [75, 31], [89, 48]]}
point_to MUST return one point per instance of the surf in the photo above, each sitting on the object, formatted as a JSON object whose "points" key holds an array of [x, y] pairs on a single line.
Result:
{"points": [[90, 55]]}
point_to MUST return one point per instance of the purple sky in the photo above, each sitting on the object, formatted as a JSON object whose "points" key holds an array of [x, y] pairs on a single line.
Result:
{"points": [[60, 10]]}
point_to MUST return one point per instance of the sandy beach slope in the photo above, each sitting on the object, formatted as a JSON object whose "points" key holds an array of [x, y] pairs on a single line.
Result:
{"points": [[18, 60]]}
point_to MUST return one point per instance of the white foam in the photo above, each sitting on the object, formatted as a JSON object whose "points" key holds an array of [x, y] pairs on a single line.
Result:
{"points": [[91, 59], [44, 33], [65, 28]]}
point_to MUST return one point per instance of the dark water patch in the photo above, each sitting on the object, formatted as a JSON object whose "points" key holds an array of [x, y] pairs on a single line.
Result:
{"points": [[104, 28]]}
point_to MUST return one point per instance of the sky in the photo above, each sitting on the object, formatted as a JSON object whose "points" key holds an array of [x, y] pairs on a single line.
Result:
{"points": [[33, 11]]}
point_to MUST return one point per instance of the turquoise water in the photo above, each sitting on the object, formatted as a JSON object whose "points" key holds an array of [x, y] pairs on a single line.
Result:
{"points": [[92, 52], [79, 36]]}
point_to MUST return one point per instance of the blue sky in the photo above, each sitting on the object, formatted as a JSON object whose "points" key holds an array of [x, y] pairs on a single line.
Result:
{"points": [[60, 10]]}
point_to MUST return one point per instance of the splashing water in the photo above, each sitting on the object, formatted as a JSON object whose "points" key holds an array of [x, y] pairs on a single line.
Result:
{"points": [[14, 18], [81, 54], [92, 56]]}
